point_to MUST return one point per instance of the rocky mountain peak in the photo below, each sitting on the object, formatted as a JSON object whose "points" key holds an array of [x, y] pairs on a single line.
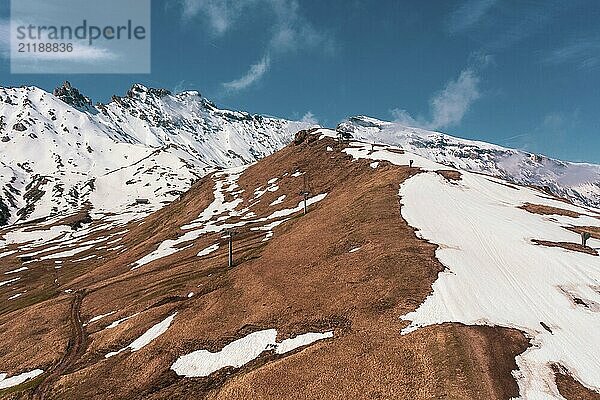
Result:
{"points": [[139, 91], [72, 96]]}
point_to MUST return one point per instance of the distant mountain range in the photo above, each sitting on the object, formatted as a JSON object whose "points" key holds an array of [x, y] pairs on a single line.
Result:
{"points": [[59, 152]]}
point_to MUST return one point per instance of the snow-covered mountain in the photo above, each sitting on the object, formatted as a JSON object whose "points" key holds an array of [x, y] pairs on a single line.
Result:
{"points": [[58, 151], [579, 182]]}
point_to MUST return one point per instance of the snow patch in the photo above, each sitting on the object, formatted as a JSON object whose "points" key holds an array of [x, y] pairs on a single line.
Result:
{"points": [[67, 253], [208, 250], [240, 352], [16, 296], [7, 253], [147, 337], [279, 200], [14, 271], [99, 317], [120, 321], [18, 379], [8, 282]]}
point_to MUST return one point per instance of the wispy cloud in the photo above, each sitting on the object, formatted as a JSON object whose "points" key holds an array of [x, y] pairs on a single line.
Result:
{"points": [[468, 14], [452, 103], [519, 141], [219, 13], [254, 74], [290, 31], [310, 118], [449, 105], [500, 24], [181, 86], [584, 53]]}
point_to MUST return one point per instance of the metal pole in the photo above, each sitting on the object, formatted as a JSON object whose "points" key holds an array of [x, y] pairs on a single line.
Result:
{"points": [[230, 249], [305, 209], [305, 194]]}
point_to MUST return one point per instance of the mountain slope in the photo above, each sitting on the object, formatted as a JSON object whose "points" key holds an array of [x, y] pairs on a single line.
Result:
{"points": [[58, 152], [579, 182], [348, 301]]}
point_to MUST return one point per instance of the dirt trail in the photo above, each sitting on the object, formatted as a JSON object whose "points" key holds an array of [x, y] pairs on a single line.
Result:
{"points": [[75, 349]]}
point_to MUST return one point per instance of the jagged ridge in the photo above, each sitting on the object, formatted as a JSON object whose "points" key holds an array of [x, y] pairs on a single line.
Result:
{"points": [[58, 151]]}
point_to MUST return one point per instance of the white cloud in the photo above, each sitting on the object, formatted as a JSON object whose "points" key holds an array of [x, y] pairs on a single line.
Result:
{"points": [[310, 118], [553, 120], [449, 106], [219, 13], [290, 31], [403, 117], [254, 74], [182, 86], [469, 14]]}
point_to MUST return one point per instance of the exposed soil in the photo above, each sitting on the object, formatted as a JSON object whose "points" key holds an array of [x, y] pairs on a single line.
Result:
{"points": [[547, 210], [450, 175], [568, 246], [571, 389], [397, 151]]}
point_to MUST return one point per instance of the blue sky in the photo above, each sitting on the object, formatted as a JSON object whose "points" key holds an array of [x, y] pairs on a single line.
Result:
{"points": [[519, 73]]}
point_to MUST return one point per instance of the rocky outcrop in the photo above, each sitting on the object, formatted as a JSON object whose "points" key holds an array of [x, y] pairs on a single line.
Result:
{"points": [[73, 97]]}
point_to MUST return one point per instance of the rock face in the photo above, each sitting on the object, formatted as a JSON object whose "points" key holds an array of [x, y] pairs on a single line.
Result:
{"points": [[150, 143], [300, 137], [73, 97], [19, 127], [4, 213]]}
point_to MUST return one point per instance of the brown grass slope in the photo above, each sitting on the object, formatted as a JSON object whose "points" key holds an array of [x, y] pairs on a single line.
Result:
{"points": [[570, 389], [303, 279]]}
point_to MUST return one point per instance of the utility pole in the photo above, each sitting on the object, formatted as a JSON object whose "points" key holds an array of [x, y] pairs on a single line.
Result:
{"points": [[230, 248], [304, 193]]}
